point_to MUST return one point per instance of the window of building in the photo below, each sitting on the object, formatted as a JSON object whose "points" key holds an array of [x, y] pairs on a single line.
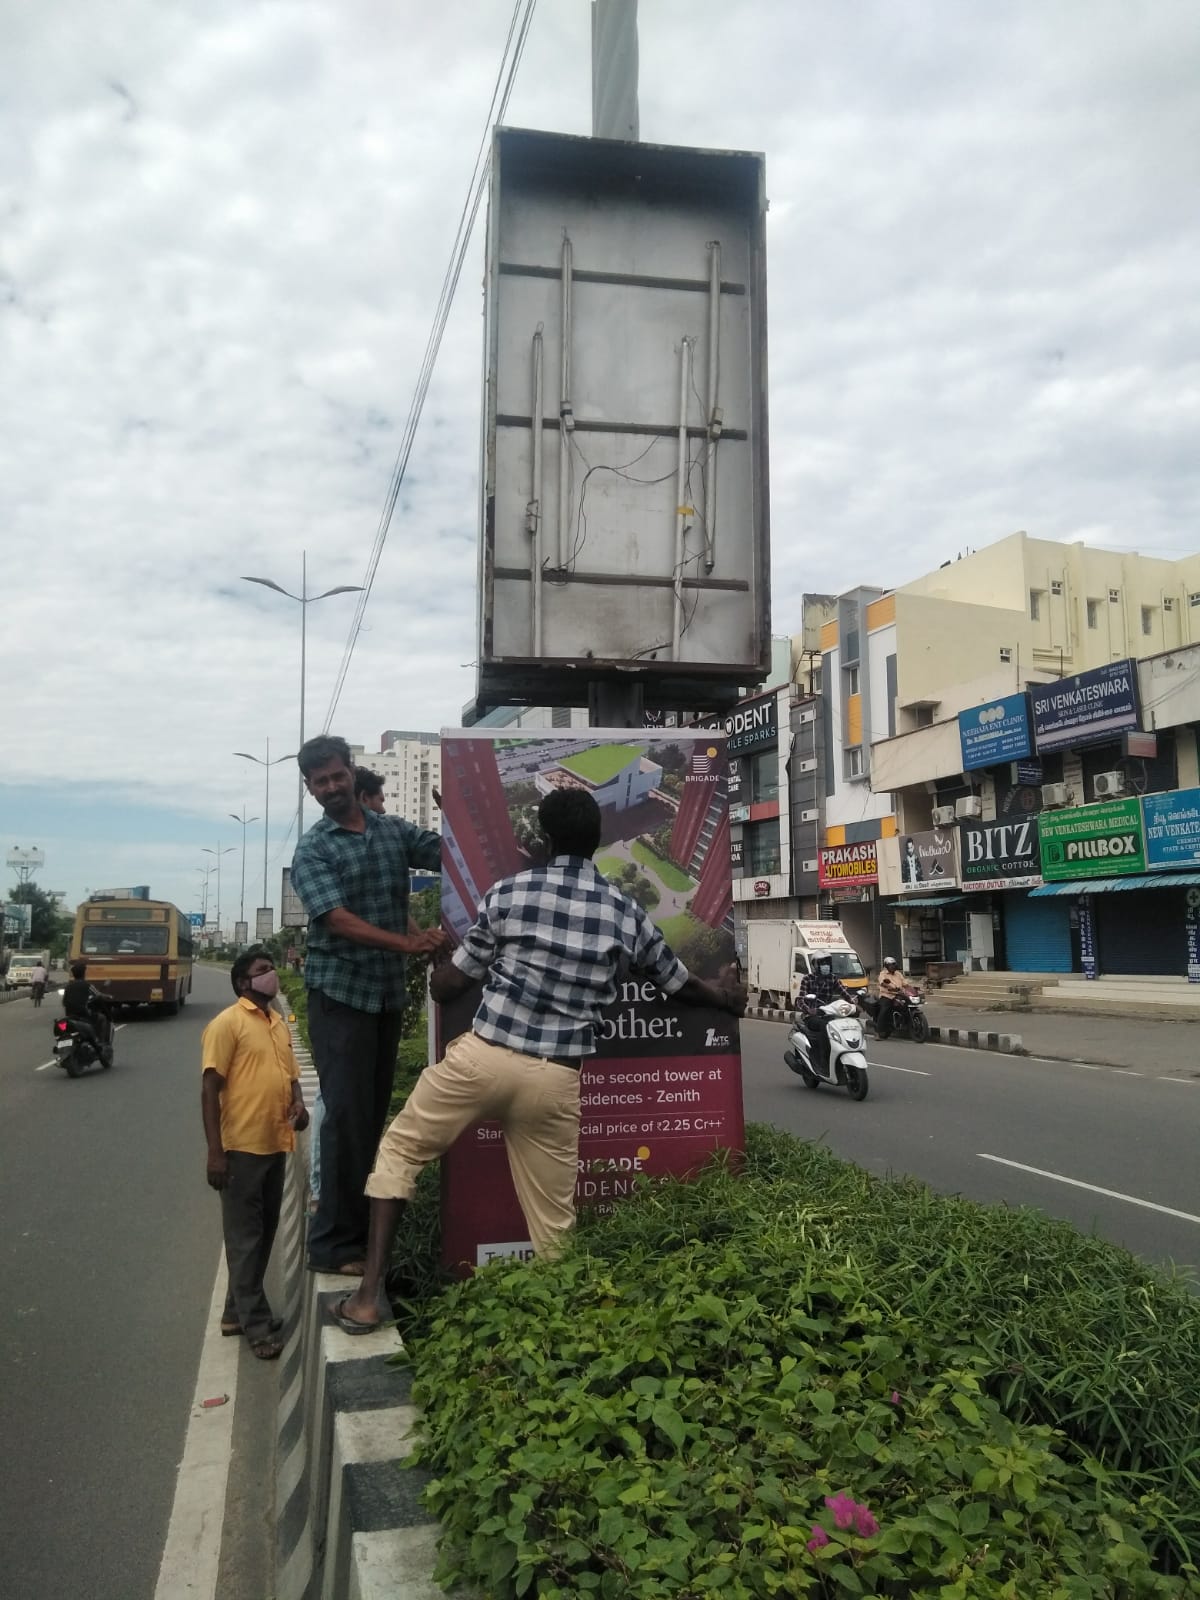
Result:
{"points": [[1194, 599], [1055, 585], [1035, 605], [1093, 613], [1006, 653], [764, 776], [854, 761], [560, 717], [852, 681], [1114, 597], [1169, 604], [760, 847], [1147, 619], [923, 716]]}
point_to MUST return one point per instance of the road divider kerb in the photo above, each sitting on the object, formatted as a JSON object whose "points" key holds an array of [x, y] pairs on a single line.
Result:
{"points": [[1008, 1044]]}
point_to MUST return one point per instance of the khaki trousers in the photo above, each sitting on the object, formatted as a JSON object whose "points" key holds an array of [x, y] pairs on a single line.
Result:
{"points": [[535, 1102]]}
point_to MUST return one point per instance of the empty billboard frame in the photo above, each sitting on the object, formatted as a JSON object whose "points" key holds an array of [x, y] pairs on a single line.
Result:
{"points": [[625, 514]]}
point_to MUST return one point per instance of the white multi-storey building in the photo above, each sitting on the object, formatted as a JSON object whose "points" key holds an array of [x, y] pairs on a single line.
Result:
{"points": [[410, 765]]}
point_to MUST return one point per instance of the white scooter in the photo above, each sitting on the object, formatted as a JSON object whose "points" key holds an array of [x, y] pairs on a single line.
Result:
{"points": [[847, 1063]]}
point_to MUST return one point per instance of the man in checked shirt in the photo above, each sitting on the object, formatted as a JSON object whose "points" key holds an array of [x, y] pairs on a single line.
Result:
{"points": [[548, 944]]}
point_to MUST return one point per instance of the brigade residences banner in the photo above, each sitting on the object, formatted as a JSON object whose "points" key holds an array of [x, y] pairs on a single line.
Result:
{"points": [[847, 866], [664, 1090]]}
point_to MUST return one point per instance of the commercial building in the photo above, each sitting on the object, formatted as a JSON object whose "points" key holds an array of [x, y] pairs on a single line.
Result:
{"points": [[1008, 733], [410, 765]]}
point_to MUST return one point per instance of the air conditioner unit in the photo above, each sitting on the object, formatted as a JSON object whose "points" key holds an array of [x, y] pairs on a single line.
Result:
{"points": [[1108, 784], [943, 816], [1054, 794], [970, 805]]}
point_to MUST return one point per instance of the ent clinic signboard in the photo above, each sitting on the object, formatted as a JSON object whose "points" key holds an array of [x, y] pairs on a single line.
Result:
{"points": [[1090, 708], [995, 732], [664, 1090]]}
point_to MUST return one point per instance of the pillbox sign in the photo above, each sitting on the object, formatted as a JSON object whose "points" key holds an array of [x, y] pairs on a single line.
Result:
{"points": [[1086, 709], [847, 865], [1101, 841]]}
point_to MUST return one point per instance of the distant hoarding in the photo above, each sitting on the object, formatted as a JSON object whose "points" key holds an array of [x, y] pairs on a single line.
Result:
{"points": [[196, 919], [1089, 708], [241, 933], [292, 913], [264, 922], [995, 732], [663, 1091], [625, 474], [1101, 841]]}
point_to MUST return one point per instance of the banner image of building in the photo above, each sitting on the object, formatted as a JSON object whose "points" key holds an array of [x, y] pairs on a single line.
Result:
{"points": [[664, 1089]]}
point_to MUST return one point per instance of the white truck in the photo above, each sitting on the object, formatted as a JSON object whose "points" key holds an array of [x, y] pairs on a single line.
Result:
{"points": [[779, 953], [21, 965]]}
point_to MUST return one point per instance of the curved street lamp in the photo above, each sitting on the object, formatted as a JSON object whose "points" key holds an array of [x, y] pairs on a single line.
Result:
{"points": [[303, 600], [245, 822], [218, 852], [266, 763]]}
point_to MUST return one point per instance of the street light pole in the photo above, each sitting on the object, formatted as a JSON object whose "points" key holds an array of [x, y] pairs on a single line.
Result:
{"points": [[303, 600], [218, 852], [245, 821], [267, 764]]}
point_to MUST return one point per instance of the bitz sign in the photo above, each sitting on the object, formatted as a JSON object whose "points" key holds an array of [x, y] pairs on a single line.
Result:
{"points": [[1000, 855], [842, 866]]}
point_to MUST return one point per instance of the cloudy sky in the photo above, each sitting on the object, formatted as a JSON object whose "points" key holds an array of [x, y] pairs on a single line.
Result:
{"points": [[223, 228]]}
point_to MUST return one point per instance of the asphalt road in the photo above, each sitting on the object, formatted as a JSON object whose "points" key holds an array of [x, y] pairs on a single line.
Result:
{"points": [[110, 1245], [935, 1113]]}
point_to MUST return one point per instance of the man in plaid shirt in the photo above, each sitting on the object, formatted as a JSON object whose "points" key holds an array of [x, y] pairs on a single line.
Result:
{"points": [[548, 944], [351, 873]]}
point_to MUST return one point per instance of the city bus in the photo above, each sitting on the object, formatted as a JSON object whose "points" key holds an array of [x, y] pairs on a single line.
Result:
{"points": [[138, 951]]}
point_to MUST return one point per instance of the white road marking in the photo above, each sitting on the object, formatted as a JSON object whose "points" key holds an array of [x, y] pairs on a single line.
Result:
{"points": [[1190, 1083], [44, 1065], [888, 1067], [193, 1548], [1128, 1072], [1094, 1188]]}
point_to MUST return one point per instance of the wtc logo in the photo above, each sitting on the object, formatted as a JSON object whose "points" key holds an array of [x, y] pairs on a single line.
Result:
{"points": [[713, 1040]]}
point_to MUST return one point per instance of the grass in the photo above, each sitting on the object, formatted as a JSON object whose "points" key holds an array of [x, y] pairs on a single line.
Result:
{"points": [[609, 865], [677, 928], [601, 764], [671, 875]]}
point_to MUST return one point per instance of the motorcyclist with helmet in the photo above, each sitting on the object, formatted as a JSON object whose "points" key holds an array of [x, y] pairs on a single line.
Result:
{"points": [[89, 1012], [817, 988]]}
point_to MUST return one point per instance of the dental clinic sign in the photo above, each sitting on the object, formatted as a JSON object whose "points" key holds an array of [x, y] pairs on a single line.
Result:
{"points": [[1101, 841], [1087, 709]]}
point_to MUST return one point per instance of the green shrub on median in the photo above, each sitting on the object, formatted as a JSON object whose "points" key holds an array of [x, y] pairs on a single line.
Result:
{"points": [[805, 1381]]}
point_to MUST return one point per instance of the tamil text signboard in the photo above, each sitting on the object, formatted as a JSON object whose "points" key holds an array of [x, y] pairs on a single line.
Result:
{"points": [[995, 732], [1172, 824], [663, 1091], [848, 866], [1086, 709], [1000, 855], [1100, 841]]}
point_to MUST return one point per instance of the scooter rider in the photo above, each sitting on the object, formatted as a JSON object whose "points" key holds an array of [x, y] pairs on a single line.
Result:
{"points": [[88, 1010], [817, 989]]}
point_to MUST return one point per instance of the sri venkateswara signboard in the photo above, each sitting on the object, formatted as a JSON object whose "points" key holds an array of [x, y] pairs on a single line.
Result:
{"points": [[1089, 708], [625, 484]]}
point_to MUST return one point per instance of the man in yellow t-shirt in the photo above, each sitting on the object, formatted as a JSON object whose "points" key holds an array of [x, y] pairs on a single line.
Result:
{"points": [[252, 1105]]}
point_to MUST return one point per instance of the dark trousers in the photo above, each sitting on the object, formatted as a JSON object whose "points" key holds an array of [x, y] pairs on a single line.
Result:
{"points": [[250, 1203], [355, 1056]]}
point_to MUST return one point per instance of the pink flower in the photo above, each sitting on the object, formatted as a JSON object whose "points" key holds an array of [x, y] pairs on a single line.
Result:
{"points": [[864, 1523], [819, 1538], [843, 1508], [895, 1397]]}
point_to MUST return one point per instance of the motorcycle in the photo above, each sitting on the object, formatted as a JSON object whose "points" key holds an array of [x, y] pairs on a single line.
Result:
{"points": [[76, 1052], [900, 1014], [847, 1065]]}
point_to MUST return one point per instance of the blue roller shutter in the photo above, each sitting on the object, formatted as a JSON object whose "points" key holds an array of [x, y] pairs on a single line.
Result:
{"points": [[1037, 934]]}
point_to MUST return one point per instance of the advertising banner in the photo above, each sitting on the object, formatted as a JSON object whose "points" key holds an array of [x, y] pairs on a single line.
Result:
{"points": [[1192, 920], [754, 726], [292, 913], [1086, 709], [1087, 939], [847, 865], [1000, 855], [264, 922], [1100, 841], [663, 1091], [996, 732], [1172, 824], [928, 861]]}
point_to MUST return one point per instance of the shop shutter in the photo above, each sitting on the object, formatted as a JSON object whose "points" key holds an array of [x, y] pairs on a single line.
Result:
{"points": [[1142, 932], [1037, 933]]}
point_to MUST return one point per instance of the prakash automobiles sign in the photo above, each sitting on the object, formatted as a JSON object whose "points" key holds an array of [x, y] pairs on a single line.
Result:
{"points": [[847, 865]]}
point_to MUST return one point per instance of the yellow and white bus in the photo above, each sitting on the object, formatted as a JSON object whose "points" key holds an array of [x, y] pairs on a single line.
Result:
{"points": [[137, 951]]}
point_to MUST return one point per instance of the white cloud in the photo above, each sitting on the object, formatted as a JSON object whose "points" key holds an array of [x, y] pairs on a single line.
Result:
{"points": [[222, 233]]}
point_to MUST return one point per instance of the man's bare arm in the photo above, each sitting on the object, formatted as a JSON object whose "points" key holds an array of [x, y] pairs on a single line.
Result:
{"points": [[421, 942]]}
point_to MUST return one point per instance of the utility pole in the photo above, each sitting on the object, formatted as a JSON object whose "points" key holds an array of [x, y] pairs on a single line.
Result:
{"points": [[617, 704]]}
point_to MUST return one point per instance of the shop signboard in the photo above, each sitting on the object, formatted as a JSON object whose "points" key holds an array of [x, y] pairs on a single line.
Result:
{"points": [[663, 1091], [1192, 924], [1000, 855], [1087, 938], [847, 865], [754, 726], [928, 861], [1172, 828], [735, 854], [1100, 841], [1089, 708], [995, 732]]}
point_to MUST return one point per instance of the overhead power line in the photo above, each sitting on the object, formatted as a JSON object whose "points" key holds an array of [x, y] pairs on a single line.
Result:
{"points": [[514, 47]]}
